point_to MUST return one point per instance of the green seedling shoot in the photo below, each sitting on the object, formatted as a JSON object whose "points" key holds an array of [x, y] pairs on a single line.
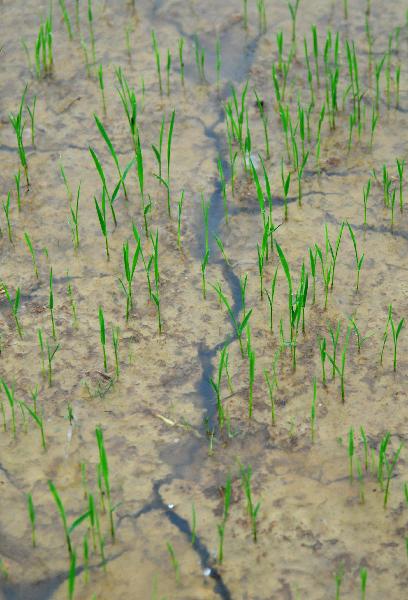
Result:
{"points": [[270, 297], [351, 452], [341, 370], [18, 125], [11, 400], [252, 508], [238, 327], [102, 337], [359, 260], [174, 562], [51, 305], [129, 265], [389, 468], [103, 461], [101, 212], [6, 209], [14, 305], [32, 517], [50, 357]]}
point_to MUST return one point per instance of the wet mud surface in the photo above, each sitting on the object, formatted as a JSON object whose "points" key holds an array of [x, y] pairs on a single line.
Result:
{"points": [[169, 456]]}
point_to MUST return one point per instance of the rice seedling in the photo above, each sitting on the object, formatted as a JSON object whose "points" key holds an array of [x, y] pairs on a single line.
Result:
{"points": [[260, 4], [378, 69], [102, 336], [157, 58], [270, 297], [218, 60], [168, 67], [91, 31], [223, 188], [264, 119], [66, 18], [243, 284], [270, 385], [313, 411], [366, 193], [318, 137], [129, 270], [359, 260], [395, 331], [17, 179], [334, 335], [51, 305], [101, 212], [169, 141], [42, 351], [115, 342], [86, 58], [400, 168], [174, 562], [345, 8], [18, 125], [50, 357], [103, 461], [251, 359], [37, 419], [238, 327], [43, 49], [65, 180], [6, 209], [285, 186], [9, 391], [323, 355], [261, 264], [181, 59], [216, 385], [32, 517], [156, 300], [296, 302], [397, 85], [360, 338], [74, 221], [71, 575], [252, 509], [179, 212], [374, 122], [392, 204], [245, 14], [300, 167], [351, 452], [386, 181], [341, 370], [199, 53], [15, 306], [222, 249], [204, 264], [72, 303], [326, 268], [365, 446], [363, 582], [32, 253], [102, 87], [128, 31], [62, 513], [293, 9], [389, 467], [31, 112]]}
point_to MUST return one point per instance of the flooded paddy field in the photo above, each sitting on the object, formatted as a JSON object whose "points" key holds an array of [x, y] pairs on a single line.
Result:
{"points": [[203, 347]]}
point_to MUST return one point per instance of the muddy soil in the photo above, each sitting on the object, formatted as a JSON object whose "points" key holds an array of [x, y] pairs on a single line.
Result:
{"points": [[169, 455]]}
